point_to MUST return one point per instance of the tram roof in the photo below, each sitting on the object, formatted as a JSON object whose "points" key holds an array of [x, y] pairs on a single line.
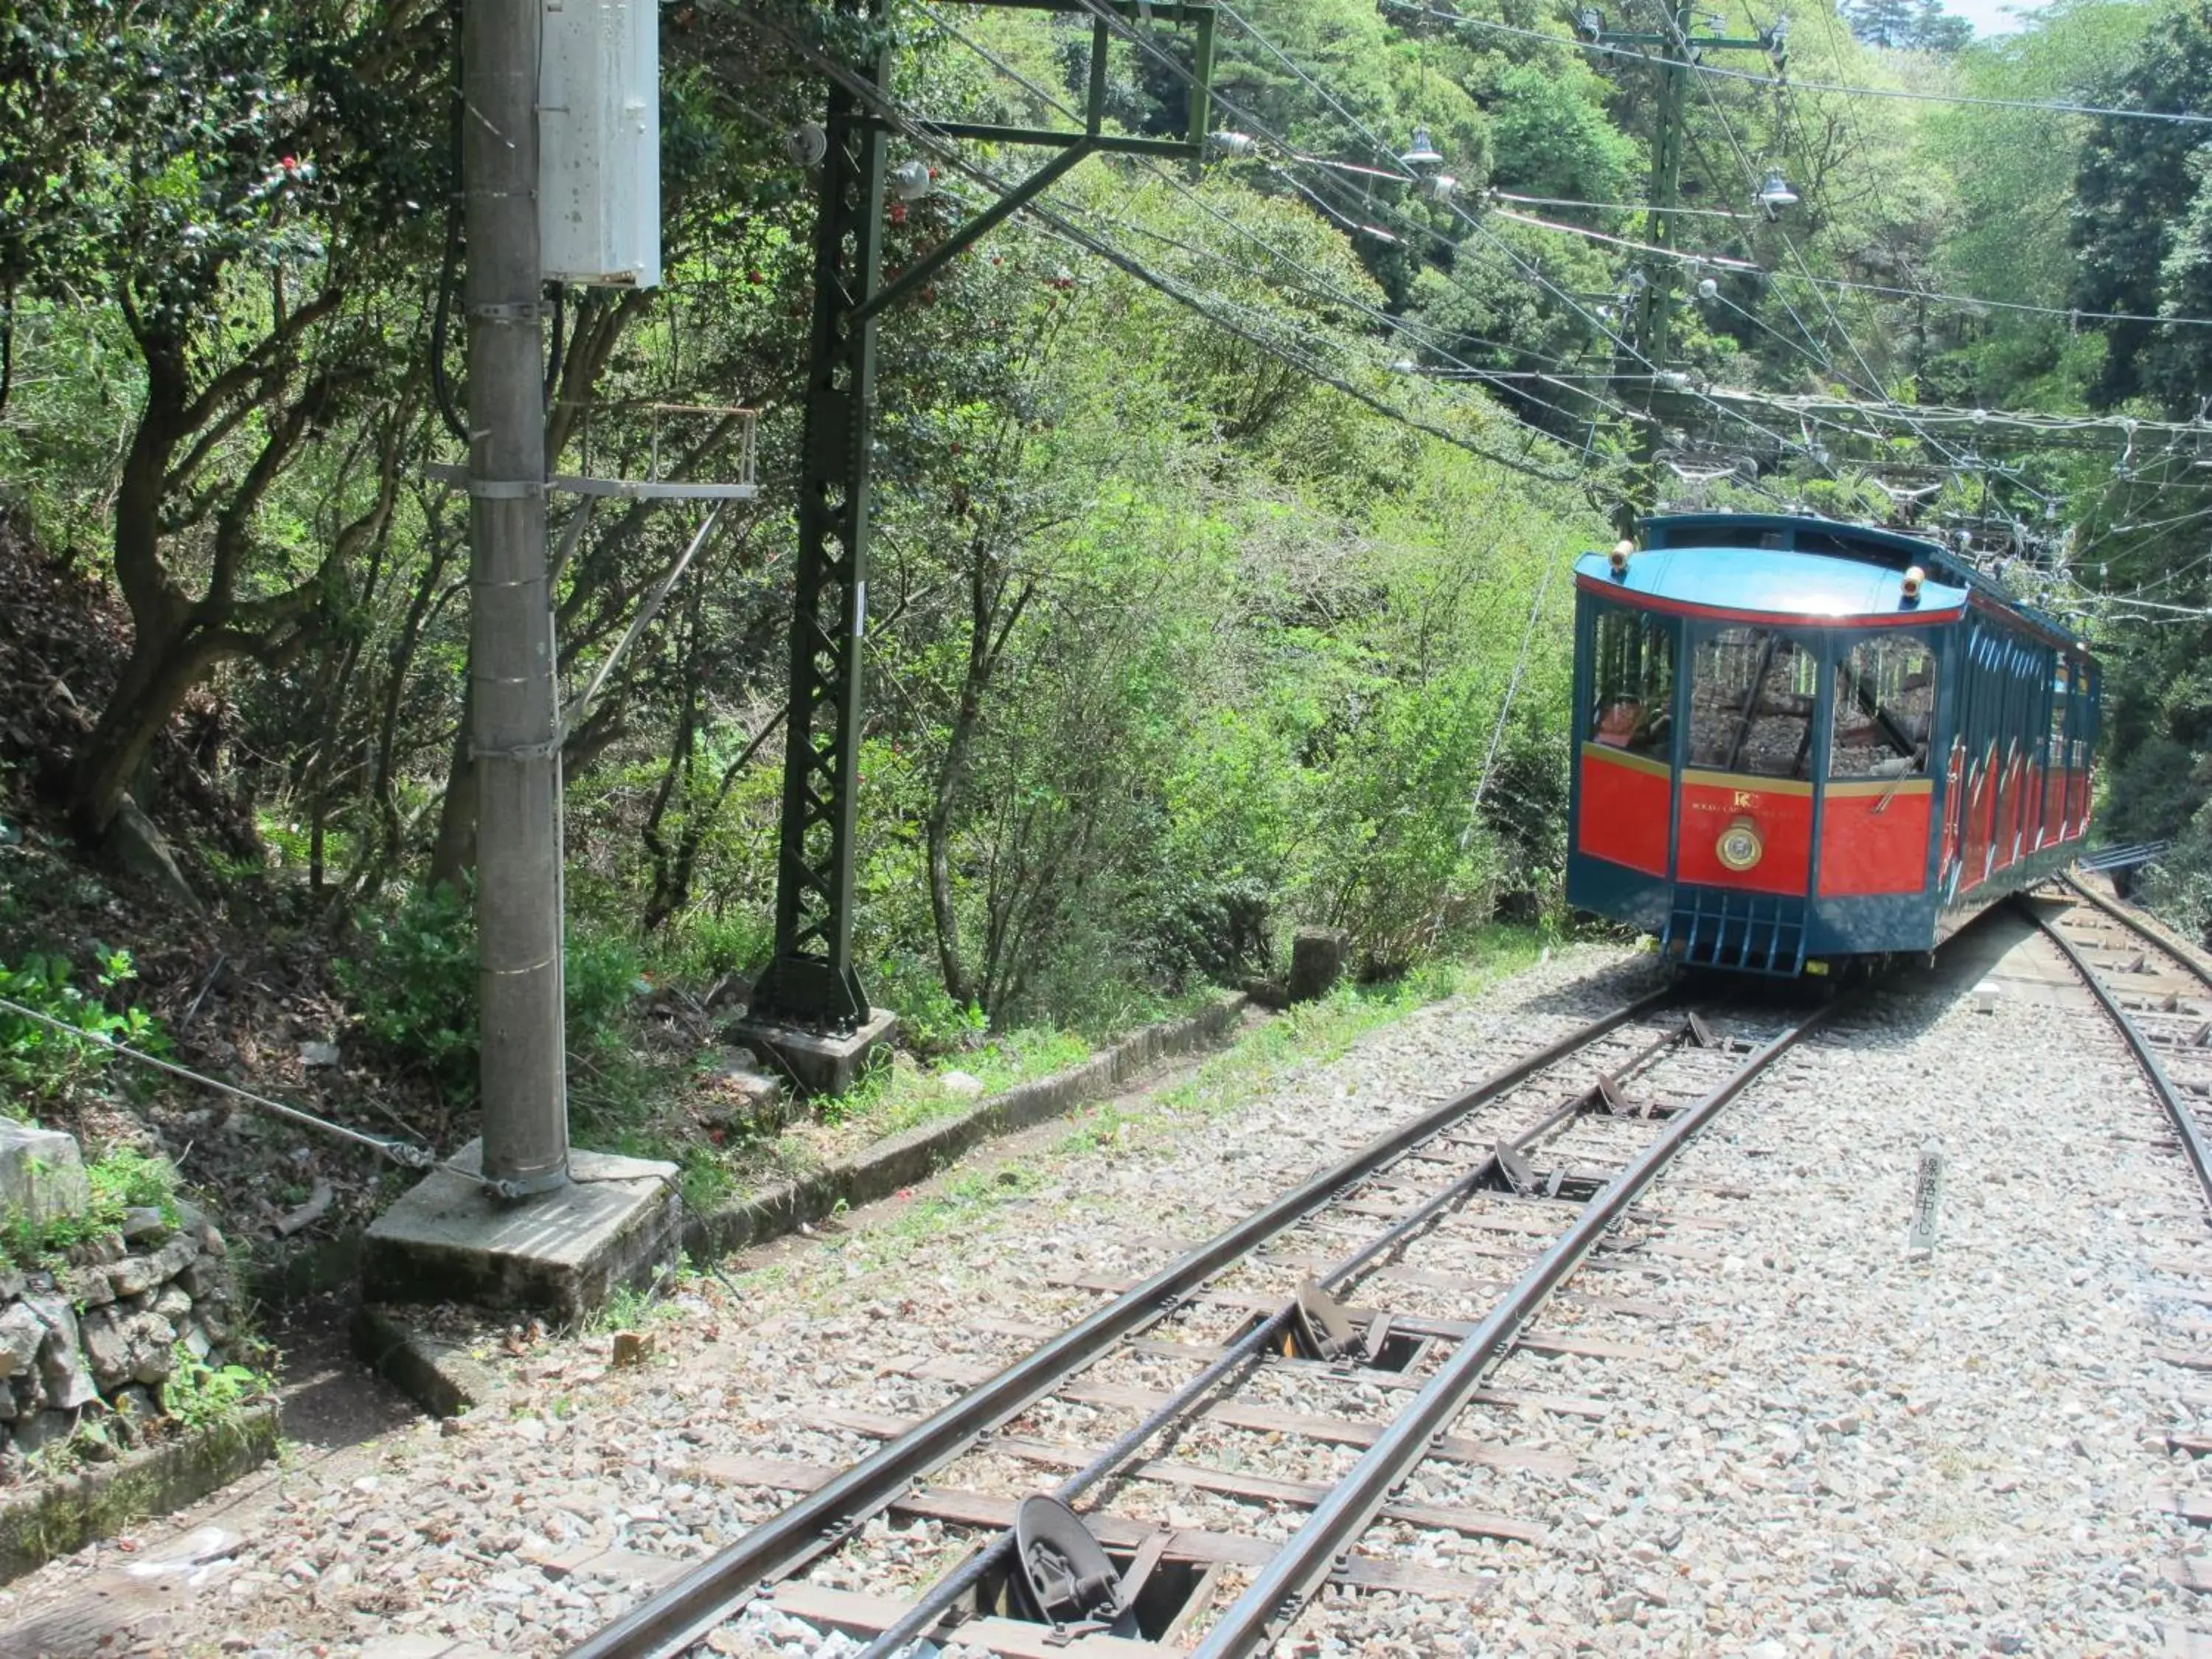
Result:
{"points": [[1756, 583], [1804, 533]]}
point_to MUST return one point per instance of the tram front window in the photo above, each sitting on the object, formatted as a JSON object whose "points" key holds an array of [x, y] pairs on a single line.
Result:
{"points": [[1633, 683], [1752, 692], [1885, 708]]}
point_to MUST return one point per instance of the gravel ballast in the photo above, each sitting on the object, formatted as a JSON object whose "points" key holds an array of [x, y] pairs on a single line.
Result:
{"points": [[1827, 1447]]}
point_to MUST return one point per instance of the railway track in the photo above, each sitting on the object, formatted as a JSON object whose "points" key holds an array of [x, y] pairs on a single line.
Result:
{"points": [[1391, 1285], [2158, 994]]}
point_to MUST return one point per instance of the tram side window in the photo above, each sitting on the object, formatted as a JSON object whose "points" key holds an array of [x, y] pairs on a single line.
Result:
{"points": [[1885, 708], [1751, 693], [1633, 684]]}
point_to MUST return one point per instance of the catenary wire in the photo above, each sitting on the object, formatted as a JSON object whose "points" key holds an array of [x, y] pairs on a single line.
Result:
{"points": [[1390, 321], [1616, 339], [2054, 106], [925, 135]]}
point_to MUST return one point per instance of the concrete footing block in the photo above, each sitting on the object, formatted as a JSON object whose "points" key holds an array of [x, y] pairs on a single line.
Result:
{"points": [[818, 1065], [42, 1174], [562, 1253], [1316, 962]]}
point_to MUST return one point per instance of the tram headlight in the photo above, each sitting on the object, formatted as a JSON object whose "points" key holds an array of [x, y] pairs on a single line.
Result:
{"points": [[1739, 847]]}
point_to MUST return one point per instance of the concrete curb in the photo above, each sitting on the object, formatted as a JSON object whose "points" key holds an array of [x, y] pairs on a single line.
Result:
{"points": [[101, 1499], [439, 1377], [881, 1169]]}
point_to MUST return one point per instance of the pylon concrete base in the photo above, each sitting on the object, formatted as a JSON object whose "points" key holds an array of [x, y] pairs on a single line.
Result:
{"points": [[818, 1065], [562, 1253]]}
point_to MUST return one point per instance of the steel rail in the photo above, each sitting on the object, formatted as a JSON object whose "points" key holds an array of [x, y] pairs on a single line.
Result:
{"points": [[1274, 1596], [2193, 1142], [929, 1611], [2179, 949], [688, 1609]]}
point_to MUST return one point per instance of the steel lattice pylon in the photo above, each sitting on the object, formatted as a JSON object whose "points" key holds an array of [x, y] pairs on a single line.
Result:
{"points": [[811, 982]]}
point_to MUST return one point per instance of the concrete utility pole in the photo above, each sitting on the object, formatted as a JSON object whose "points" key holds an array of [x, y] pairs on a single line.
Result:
{"points": [[515, 737]]}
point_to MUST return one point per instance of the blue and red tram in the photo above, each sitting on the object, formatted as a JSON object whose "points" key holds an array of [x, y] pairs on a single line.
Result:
{"points": [[1804, 742]]}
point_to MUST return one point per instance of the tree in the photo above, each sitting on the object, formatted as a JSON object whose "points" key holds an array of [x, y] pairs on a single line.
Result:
{"points": [[239, 188], [1908, 25], [2135, 228]]}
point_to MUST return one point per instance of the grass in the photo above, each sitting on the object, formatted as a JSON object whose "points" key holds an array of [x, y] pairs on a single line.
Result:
{"points": [[630, 1103], [1321, 1030], [1324, 1030], [120, 1179], [960, 1198], [904, 1096]]}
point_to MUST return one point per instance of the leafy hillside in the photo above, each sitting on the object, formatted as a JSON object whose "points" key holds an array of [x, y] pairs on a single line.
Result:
{"points": [[1218, 583]]}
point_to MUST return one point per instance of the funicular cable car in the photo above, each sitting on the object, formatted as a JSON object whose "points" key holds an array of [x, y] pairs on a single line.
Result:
{"points": [[1803, 742]]}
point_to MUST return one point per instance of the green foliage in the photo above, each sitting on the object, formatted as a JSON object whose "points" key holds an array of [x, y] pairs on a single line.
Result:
{"points": [[412, 984], [630, 1308], [896, 1098], [1907, 25], [124, 1178], [199, 1395], [38, 1062], [702, 946], [1171, 646], [1552, 137], [2139, 238], [121, 1178], [930, 1022]]}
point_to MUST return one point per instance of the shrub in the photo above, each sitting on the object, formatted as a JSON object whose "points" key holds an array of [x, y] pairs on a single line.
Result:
{"points": [[414, 986], [199, 1395], [930, 1022], [38, 1062], [121, 1179]]}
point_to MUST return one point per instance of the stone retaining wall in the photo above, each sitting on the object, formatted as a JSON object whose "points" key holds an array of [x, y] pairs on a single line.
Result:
{"points": [[103, 1330]]}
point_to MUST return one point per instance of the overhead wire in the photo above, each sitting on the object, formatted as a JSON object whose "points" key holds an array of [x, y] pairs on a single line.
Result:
{"points": [[1937, 296], [1615, 207], [1886, 404], [1328, 290], [1402, 174], [1873, 381], [927, 136], [2071, 312], [1804, 272], [1507, 795], [2053, 106], [1396, 323]]}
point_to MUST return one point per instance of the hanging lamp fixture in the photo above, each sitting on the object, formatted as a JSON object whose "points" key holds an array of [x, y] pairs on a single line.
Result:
{"points": [[1775, 194]]}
